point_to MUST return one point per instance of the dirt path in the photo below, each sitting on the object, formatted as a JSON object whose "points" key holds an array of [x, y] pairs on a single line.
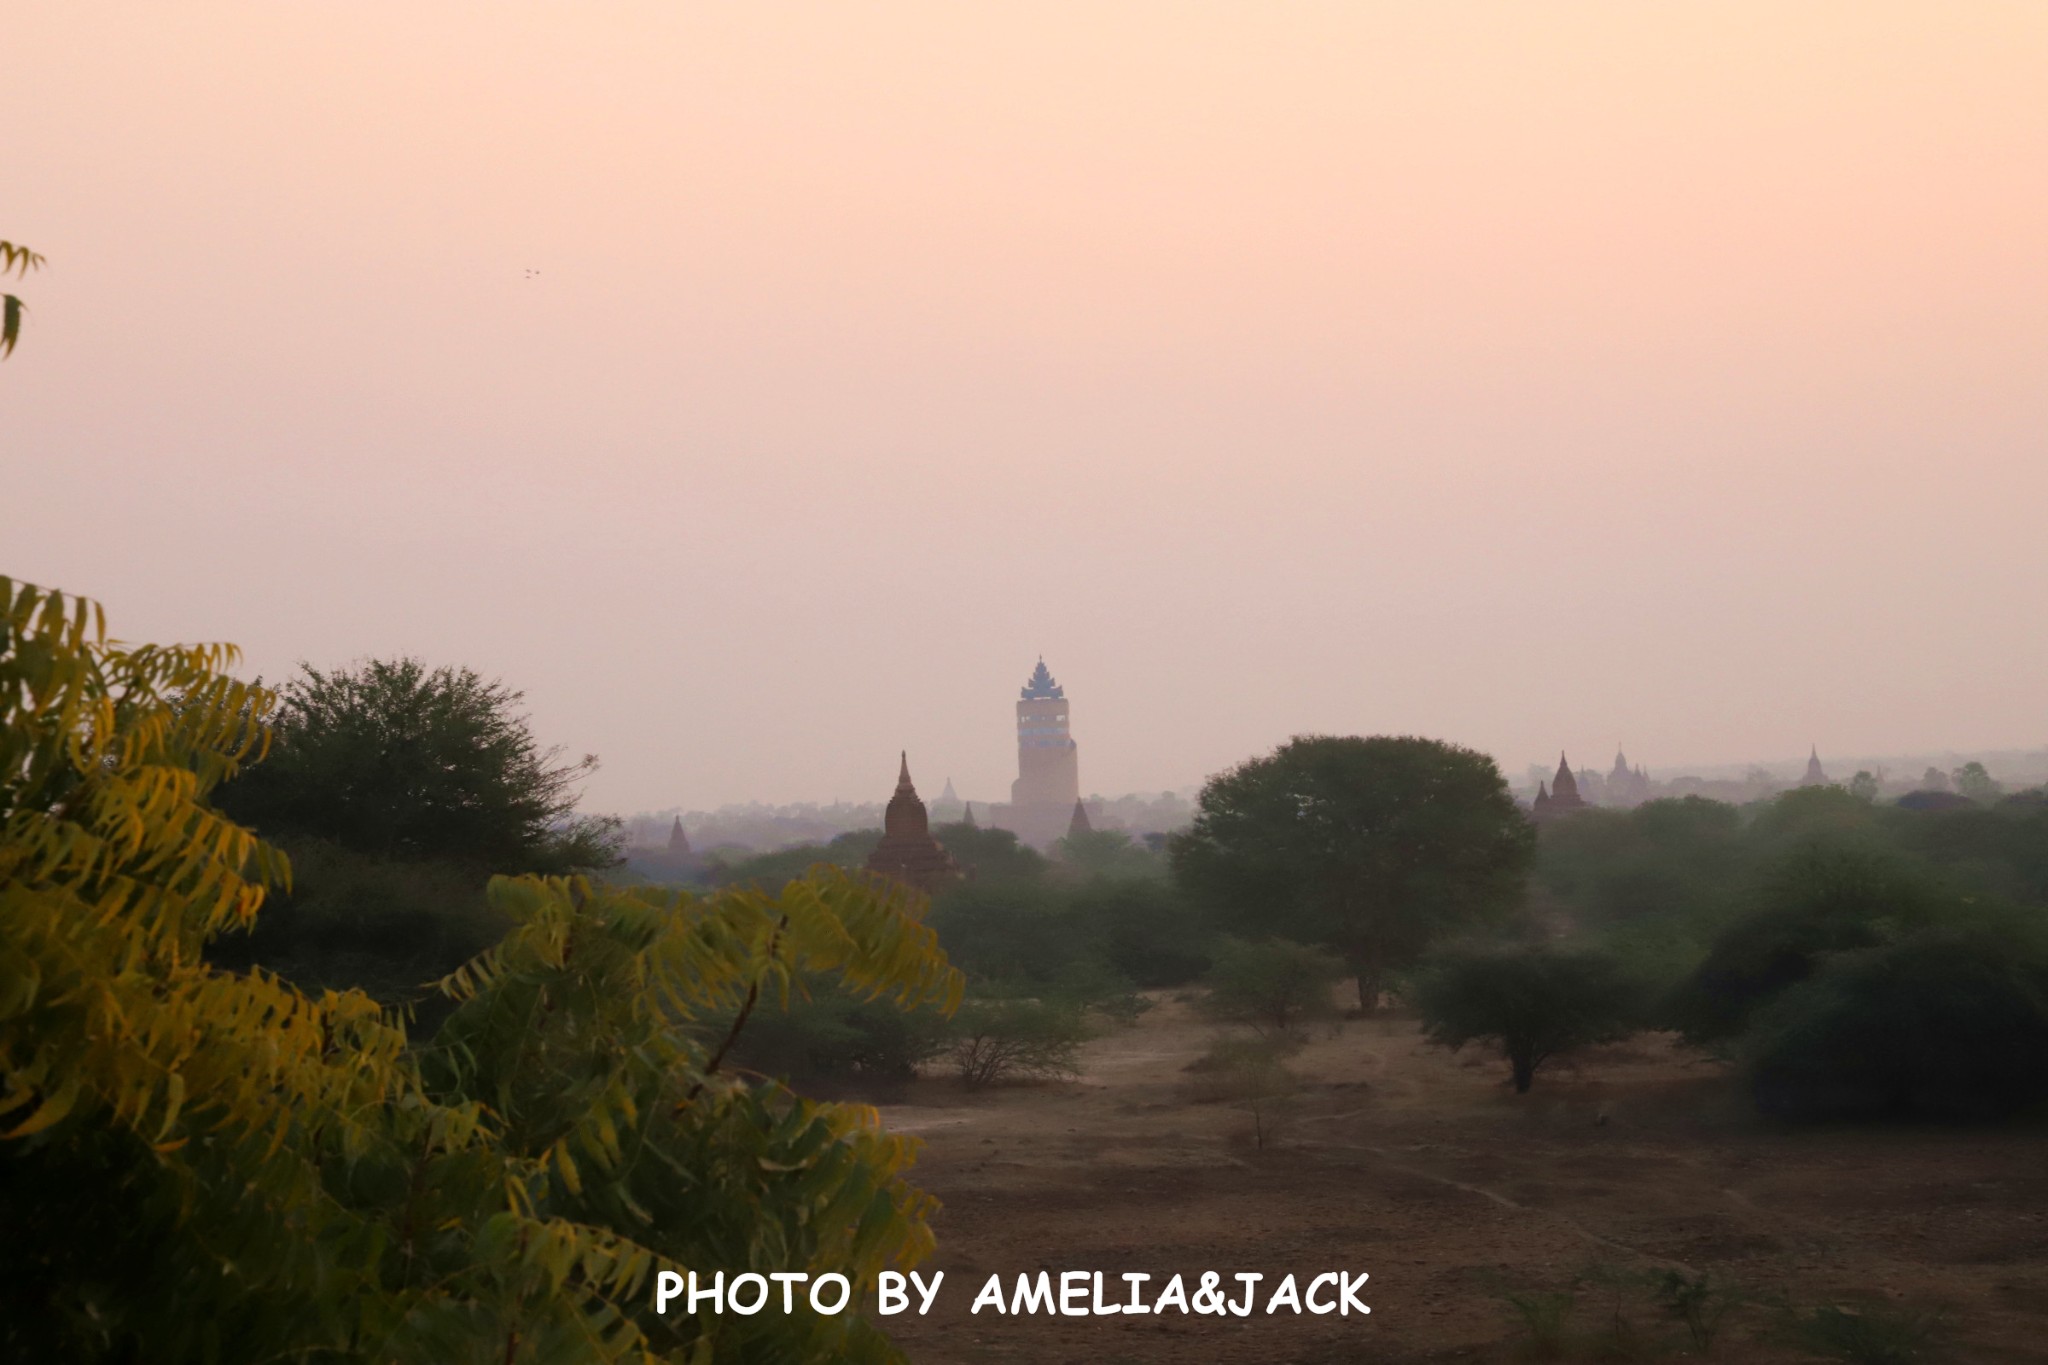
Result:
{"points": [[1421, 1168]]}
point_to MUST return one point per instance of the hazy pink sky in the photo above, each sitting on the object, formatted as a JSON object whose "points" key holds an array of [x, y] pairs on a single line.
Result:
{"points": [[1530, 375]]}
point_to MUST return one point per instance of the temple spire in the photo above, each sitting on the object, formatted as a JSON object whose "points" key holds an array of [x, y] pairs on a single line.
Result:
{"points": [[1563, 797], [907, 851], [1079, 824], [1040, 685]]}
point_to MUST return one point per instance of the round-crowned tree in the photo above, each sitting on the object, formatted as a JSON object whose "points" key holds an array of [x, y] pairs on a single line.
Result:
{"points": [[1372, 848], [1535, 1002], [396, 760]]}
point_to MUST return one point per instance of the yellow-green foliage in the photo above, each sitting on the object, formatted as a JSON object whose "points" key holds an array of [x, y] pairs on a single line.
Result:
{"points": [[20, 260], [208, 1166]]}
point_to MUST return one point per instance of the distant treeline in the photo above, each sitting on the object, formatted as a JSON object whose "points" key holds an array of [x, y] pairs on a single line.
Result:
{"points": [[754, 827]]}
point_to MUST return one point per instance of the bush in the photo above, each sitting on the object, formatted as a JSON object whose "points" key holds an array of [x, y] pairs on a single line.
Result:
{"points": [[1109, 853], [388, 928], [1276, 987], [1665, 862], [1872, 1334], [1817, 900], [1949, 1023], [1535, 1002], [772, 870], [991, 855], [828, 1032], [1144, 930], [1249, 1074], [1015, 1039]]}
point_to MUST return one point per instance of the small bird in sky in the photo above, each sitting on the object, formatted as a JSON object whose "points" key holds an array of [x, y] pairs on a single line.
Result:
{"points": [[531, 273]]}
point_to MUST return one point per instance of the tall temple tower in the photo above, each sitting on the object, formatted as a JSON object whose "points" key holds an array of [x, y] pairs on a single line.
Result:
{"points": [[1048, 769]]}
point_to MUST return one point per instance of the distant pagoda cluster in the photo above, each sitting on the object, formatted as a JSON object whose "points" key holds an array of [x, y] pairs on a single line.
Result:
{"points": [[1625, 786], [1045, 801]]}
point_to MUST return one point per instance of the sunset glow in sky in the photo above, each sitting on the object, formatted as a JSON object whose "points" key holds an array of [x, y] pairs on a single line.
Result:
{"points": [[1531, 376]]}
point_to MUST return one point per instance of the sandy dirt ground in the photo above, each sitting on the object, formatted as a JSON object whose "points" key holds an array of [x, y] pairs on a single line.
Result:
{"points": [[1422, 1168]]}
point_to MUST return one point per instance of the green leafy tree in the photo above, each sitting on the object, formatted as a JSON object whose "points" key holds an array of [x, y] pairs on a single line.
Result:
{"points": [[1144, 930], [1018, 932], [1999, 852], [396, 760], [990, 855], [202, 1165], [848, 850], [1274, 986], [1950, 1023], [1108, 853], [18, 260], [1372, 848], [1534, 1002], [390, 927], [1975, 782], [1864, 786], [1670, 860], [1814, 900], [825, 1031], [1806, 816]]}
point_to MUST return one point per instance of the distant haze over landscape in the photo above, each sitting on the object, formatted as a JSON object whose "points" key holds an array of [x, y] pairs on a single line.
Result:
{"points": [[762, 390]]}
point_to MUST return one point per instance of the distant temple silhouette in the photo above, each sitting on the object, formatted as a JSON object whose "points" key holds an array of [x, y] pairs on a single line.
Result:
{"points": [[1079, 824], [1626, 786], [1048, 784], [908, 852], [1561, 798], [1816, 776], [678, 842]]}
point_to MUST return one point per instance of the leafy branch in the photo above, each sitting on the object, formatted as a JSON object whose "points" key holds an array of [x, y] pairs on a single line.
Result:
{"points": [[18, 260]]}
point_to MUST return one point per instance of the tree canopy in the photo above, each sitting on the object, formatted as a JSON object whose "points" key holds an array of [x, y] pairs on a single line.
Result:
{"points": [[1536, 1002], [200, 1165], [1372, 848], [990, 855], [396, 760]]}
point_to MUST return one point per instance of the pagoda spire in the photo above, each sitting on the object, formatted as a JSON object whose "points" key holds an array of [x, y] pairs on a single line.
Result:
{"points": [[907, 851], [1040, 685], [1564, 790], [1079, 824]]}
